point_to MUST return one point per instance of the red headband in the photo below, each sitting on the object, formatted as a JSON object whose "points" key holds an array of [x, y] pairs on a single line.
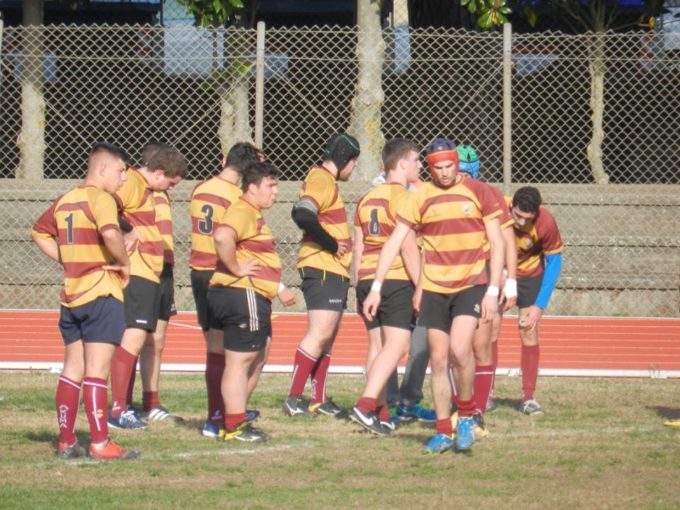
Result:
{"points": [[438, 157]]}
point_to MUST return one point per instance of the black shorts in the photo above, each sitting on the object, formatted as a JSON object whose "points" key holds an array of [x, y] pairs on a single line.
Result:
{"points": [[142, 304], [199, 287], [167, 297], [324, 290], [439, 310], [100, 321], [527, 290], [396, 305], [244, 315]]}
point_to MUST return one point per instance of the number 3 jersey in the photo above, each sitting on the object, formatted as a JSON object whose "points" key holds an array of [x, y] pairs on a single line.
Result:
{"points": [[76, 221], [376, 216], [209, 201]]}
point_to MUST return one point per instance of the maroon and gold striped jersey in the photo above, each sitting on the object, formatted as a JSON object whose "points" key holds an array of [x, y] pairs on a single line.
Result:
{"points": [[76, 221], [253, 240], [164, 222], [209, 201], [322, 189], [535, 241], [451, 223], [376, 216], [137, 206]]}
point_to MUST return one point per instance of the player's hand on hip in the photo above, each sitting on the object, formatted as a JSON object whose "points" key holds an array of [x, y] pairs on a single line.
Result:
{"points": [[371, 304], [131, 239], [122, 271], [343, 247], [248, 267], [287, 297]]}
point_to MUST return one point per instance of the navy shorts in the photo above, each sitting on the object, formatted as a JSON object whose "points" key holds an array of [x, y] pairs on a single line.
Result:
{"points": [[396, 304], [243, 315], [199, 287], [439, 310], [324, 290], [527, 290], [142, 304], [167, 306], [99, 321]]}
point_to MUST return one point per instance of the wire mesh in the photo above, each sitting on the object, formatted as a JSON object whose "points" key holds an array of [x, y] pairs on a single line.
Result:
{"points": [[195, 89]]}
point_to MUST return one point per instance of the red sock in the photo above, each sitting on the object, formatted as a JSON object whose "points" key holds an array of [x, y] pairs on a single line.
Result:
{"points": [[123, 363], [131, 383], [494, 364], [150, 400], [383, 412], [444, 427], [319, 376], [465, 407], [214, 368], [366, 405], [482, 386], [231, 421], [303, 366], [95, 399], [66, 400], [530, 357]]}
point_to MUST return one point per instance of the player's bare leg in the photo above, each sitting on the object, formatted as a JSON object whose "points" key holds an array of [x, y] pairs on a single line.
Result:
{"points": [[530, 362], [150, 367]]}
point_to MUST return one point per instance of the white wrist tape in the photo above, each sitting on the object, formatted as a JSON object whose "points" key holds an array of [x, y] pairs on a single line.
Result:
{"points": [[282, 287], [510, 288], [492, 290], [376, 286]]}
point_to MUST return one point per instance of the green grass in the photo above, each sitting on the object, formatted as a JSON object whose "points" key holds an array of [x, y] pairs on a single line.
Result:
{"points": [[600, 445]]}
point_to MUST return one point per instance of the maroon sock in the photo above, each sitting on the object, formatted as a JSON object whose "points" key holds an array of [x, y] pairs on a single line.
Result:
{"points": [[123, 363], [465, 407], [303, 366], [131, 383], [67, 400], [366, 405], [530, 357], [482, 386], [150, 400], [231, 421], [214, 368], [383, 412], [319, 376], [444, 427], [95, 399]]}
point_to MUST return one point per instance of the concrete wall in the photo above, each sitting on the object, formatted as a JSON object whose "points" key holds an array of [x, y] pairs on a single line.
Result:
{"points": [[622, 254]]}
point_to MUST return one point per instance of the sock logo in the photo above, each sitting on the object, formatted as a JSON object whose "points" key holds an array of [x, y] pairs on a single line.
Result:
{"points": [[63, 416]]}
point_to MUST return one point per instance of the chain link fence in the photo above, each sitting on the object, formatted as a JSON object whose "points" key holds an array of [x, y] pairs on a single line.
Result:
{"points": [[199, 90]]}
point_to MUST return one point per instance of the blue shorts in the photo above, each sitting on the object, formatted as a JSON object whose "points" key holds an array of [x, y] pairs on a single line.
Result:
{"points": [[99, 321]]}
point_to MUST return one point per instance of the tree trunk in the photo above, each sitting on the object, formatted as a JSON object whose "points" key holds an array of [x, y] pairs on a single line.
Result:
{"points": [[597, 69], [368, 98], [234, 101], [31, 140]]}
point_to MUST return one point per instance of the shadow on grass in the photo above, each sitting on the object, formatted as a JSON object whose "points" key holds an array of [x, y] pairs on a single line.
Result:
{"points": [[53, 439], [667, 413], [513, 403]]}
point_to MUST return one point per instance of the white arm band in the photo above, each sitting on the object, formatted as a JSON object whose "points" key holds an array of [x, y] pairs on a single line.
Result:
{"points": [[510, 288], [282, 287], [376, 286], [492, 290]]}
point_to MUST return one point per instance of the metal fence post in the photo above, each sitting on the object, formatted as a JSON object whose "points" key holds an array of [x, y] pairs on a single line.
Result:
{"points": [[259, 85], [507, 107]]}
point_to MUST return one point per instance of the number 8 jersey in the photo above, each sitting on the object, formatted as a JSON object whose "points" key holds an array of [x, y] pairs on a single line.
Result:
{"points": [[209, 201]]}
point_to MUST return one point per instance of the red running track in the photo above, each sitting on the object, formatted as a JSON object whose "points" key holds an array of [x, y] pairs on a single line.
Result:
{"points": [[569, 345]]}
